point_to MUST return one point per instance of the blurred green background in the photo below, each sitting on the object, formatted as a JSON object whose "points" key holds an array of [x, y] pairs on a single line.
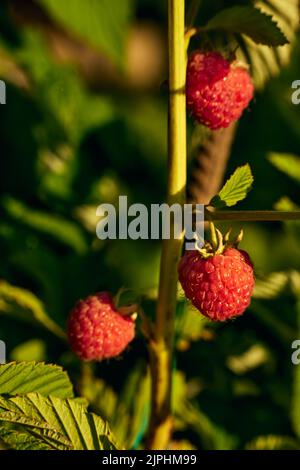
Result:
{"points": [[86, 121]]}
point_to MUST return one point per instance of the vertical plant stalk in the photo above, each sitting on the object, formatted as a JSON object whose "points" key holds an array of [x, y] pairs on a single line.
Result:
{"points": [[161, 343]]}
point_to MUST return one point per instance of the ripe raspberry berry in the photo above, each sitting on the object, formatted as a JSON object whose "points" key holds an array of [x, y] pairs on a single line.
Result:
{"points": [[219, 284], [217, 91], [97, 330]]}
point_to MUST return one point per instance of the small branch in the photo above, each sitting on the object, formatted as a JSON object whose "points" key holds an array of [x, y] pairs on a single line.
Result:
{"points": [[161, 345], [252, 216]]}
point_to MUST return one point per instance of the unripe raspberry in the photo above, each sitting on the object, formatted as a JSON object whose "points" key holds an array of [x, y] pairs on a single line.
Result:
{"points": [[217, 91], [221, 285], [97, 330]]}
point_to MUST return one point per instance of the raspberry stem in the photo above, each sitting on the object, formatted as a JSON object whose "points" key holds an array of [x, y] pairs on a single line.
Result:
{"points": [[213, 234], [161, 344]]}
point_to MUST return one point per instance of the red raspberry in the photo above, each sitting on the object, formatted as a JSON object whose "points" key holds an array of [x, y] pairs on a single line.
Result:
{"points": [[217, 91], [221, 285], [96, 329]]}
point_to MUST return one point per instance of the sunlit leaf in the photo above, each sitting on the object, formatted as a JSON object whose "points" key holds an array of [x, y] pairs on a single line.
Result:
{"points": [[287, 163], [264, 61], [128, 411], [26, 377], [252, 22], [104, 24], [254, 357], [235, 189], [32, 350], [189, 325], [60, 423], [271, 286], [24, 305], [273, 442]]}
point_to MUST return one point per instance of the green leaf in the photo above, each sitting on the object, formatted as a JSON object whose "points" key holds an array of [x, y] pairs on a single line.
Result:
{"points": [[235, 189], [59, 423], [273, 442], [285, 204], [287, 163], [292, 226], [26, 377], [128, 411], [271, 286], [22, 304], [69, 111], [136, 397], [272, 321], [189, 325], [56, 227], [16, 438], [36, 426], [213, 437], [104, 24], [295, 286], [295, 406], [250, 21], [31, 350], [266, 62], [255, 356]]}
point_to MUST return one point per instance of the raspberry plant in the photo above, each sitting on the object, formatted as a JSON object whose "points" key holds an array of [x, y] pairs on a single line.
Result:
{"points": [[212, 72]]}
